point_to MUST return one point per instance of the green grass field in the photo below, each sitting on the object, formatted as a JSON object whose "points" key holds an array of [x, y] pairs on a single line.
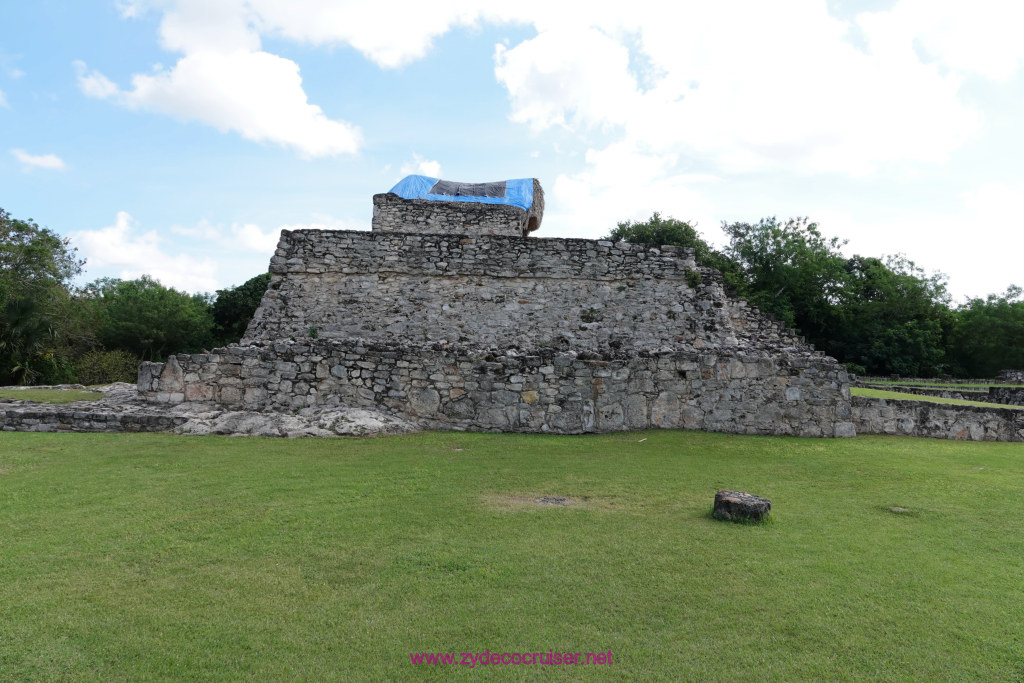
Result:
{"points": [[51, 395], [900, 396], [966, 385], [152, 556]]}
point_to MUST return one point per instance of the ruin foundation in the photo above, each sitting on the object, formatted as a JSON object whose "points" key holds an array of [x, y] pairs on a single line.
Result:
{"points": [[498, 333]]}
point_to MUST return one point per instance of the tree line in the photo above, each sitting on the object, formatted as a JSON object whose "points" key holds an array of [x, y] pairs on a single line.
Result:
{"points": [[52, 332], [879, 316]]}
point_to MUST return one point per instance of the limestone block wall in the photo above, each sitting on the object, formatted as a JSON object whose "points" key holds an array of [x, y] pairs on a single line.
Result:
{"points": [[1011, 396], [451, 387], [501, 292], [392, 213], [935, 420], [78, 418]]}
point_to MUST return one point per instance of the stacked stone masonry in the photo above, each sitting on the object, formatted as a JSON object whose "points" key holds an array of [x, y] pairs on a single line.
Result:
{"points": [[1011, 396], [480, 332], [19, 417], [1016, 376], [392, 213], [501, 292], [938, 421], [462, 389]]}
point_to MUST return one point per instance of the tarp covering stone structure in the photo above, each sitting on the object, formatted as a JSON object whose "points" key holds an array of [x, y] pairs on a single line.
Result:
{"points": [[517, 192], [513, 208]]}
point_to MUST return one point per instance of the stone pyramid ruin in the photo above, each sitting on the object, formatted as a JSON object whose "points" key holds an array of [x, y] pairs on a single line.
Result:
{"points": [[448, 314]]}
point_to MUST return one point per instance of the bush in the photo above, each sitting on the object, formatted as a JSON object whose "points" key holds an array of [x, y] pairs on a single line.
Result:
{"points": [[143, 317], [855, 369], [104, 367]]}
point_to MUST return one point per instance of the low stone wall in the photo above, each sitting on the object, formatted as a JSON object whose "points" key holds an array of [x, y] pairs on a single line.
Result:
{"points": [[935, 420], [1016, 376], [39, 417], [962, 394], [392, 213], [446, 387], [1011, 396]]}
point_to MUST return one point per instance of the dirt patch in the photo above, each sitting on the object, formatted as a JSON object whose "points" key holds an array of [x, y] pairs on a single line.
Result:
{"points": [[901, 510], [523, 501]]}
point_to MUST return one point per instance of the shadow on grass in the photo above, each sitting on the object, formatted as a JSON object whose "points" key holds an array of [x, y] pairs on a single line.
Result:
{"points": [[766, 521]]}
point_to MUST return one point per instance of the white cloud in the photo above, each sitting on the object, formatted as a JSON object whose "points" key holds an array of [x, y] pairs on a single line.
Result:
{"points": [[982, 37], [622, 182], [226, 80], [251, 236], [325, 222], [124, 249], [972, 240], [50, 162], [257, 94], [998, 201], [131, 9], [204, 230], [391, 35], [652, 89], [572, 74], [421, 166], [782, 89], [93, 83], [246, 236], [3, 100], [192, 26]]}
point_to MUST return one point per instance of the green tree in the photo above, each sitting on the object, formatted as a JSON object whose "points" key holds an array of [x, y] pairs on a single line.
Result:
{"points": [[658, 230], [893, 318], [988, 334], [147, 319], [235, 307], [792, 272], [38, 326]]}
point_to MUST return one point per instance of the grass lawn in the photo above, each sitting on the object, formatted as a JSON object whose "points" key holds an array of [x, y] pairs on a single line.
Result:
{"points": [[966, 386], [51, 395], [153, 556], [900, 396]]}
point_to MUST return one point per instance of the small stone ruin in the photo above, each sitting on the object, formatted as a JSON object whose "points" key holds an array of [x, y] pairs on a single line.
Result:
{"points": [[740, 506], [1010, 376]]}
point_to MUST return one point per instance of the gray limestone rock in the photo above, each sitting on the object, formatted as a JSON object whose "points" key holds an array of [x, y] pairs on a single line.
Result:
{"points": [[737, 505], [339, 422]]}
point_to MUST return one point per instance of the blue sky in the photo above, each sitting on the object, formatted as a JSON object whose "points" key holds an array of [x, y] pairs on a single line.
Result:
{"points": [[177, 137]]}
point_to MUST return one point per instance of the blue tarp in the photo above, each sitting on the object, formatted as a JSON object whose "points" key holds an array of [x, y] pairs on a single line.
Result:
{"points": [[518, 192]]}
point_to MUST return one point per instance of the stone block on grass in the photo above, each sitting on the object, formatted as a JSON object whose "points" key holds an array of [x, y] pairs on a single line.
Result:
{"points": [[737, 505]]}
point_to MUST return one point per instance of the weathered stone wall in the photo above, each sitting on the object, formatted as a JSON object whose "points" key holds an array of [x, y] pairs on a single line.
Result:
{"points": [[392, 213], [512, 334], [1010, 376], [935, 420], [1011, 396], [458, 388], [77, 418], [938, 392], [501, 292]]}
